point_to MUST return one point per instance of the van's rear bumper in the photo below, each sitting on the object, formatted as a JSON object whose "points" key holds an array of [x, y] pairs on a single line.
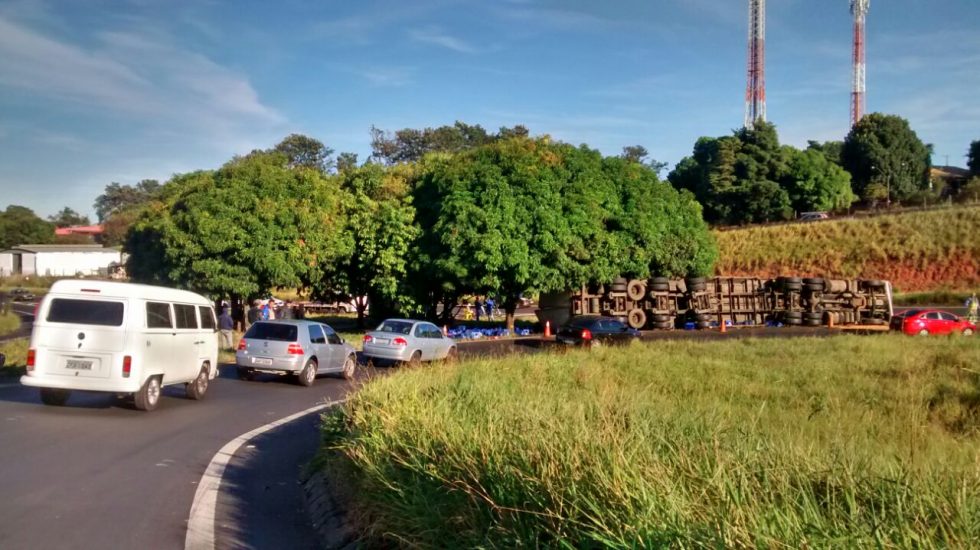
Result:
{"points": [[111, 385]]}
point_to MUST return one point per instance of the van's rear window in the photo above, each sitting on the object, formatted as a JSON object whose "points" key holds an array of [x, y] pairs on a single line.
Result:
{"points": [[272, 331], [86, 312]]}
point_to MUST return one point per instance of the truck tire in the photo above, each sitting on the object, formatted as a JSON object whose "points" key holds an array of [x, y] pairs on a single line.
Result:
{"points": [[636, 318], [790, 284], [812, 319], [663, 326], [659, 284], [814, 284], [662, 318], [618, 285], [636, 290], [873, 284], [695, 284]]}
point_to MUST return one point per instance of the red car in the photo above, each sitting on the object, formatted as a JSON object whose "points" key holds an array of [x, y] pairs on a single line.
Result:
{"points": [[924, 322]]}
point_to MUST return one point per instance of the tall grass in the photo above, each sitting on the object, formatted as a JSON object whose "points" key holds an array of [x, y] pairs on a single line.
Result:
{"points": [[9, 322], [843, 442], [16, 356], [847, 248]]}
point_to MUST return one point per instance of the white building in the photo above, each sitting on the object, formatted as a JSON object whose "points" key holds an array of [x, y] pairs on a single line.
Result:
{"points": [[58, 260]]}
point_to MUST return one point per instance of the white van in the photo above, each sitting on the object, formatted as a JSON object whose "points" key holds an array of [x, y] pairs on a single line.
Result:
{"points": [[121, 338]]}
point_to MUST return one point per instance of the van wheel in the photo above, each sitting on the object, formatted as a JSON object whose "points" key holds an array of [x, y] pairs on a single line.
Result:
{"points": [[307, 376], [53, 397], [148, 397], [350, 368], [197, 388]]}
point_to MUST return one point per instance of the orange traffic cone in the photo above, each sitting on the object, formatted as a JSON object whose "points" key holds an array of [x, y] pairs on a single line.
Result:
{"points": [[722, 325], [547, 329]]}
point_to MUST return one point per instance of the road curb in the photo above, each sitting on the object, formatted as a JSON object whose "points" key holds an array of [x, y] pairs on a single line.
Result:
{"points": [[200, 522], [327, 512]]}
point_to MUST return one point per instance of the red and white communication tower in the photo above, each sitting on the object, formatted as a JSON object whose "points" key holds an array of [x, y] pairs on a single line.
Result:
{"points": [[755, 91], [859, 8]]}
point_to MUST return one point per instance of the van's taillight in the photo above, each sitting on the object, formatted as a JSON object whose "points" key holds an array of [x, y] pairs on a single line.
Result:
{"points": [[400, 341], [127, 366], [37, 308], [241, 345], [586, 334], [368, 338], [30, 359], [295, 349]]}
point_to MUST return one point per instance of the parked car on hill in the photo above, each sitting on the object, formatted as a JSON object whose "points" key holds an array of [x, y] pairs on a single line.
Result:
{"points": [[408, 340], [925, 322], [591, 331], [294, 347]]}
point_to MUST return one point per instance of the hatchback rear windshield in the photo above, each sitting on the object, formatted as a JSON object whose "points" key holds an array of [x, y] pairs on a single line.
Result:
{"points": [[86, 312], [272, 331]]}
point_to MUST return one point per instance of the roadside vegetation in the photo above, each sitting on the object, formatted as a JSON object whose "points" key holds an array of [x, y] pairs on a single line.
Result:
{"points": [[916, 251], [16, 357], [848, 441], [9, 322], [942, 297]]}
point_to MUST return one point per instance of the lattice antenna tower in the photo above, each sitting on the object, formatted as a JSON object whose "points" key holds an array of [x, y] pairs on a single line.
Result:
{"points": [[859, 9], [755, 90]]}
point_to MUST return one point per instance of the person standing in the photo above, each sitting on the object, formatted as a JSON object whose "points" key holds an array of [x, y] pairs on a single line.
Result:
{"points": [[479, 309], [491, 306], [254, 313], [972, 308], [225, 326]]}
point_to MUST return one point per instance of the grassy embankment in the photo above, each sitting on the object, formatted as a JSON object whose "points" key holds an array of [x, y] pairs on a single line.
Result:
{"points": [[16, 353], [917, 251], [9, 322], [841, 442]]}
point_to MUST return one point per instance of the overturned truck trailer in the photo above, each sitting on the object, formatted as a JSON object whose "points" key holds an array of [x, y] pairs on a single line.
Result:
{"points": [[662, 303]]}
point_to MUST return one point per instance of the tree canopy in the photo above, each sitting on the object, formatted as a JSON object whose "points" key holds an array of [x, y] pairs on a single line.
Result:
{"points": [[67, 217], [307, 152], [524, 215], [973, 158], [19, 225], [749, 177], [882, 151], [255, 224], [410, 144]]}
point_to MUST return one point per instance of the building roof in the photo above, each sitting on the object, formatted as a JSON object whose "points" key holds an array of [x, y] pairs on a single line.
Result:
{"points": [[80, 230], [38, 248]]}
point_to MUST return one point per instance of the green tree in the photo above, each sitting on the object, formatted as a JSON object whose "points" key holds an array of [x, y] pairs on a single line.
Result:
{"points": [[346, 162], [973, 158], [815, 183], [304, 151], [379, 223], [19, 225], [639, 154], [523, 215], [118, 197], [884, 150], [253, 225], [736, 178], [67, 217], [830, 149], [411, 145]]}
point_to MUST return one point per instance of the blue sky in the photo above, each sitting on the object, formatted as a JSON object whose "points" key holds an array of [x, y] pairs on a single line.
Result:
{"points": [[100, 91]]}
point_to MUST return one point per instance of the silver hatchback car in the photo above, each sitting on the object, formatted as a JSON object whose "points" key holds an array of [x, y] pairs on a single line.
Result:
{"points": [[408, 340], [294, 347]]}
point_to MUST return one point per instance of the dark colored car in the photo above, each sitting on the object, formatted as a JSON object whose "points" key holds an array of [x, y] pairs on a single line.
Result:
{"points": [[22, 295], [592, 331], [924, 322]]}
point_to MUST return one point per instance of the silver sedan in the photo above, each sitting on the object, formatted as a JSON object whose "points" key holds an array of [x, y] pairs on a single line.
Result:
{"points": [[301, 348], [408, 340]]}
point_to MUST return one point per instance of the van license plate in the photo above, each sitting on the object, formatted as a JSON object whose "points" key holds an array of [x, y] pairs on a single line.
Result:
{"points": [[261, 361], [78, 364]]}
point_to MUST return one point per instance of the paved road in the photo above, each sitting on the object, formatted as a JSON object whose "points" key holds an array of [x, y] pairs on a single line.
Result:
{"points": [[98, 474]]}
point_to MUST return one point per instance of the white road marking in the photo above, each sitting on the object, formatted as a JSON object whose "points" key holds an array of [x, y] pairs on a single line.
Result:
{"points": [[200, 523]]}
